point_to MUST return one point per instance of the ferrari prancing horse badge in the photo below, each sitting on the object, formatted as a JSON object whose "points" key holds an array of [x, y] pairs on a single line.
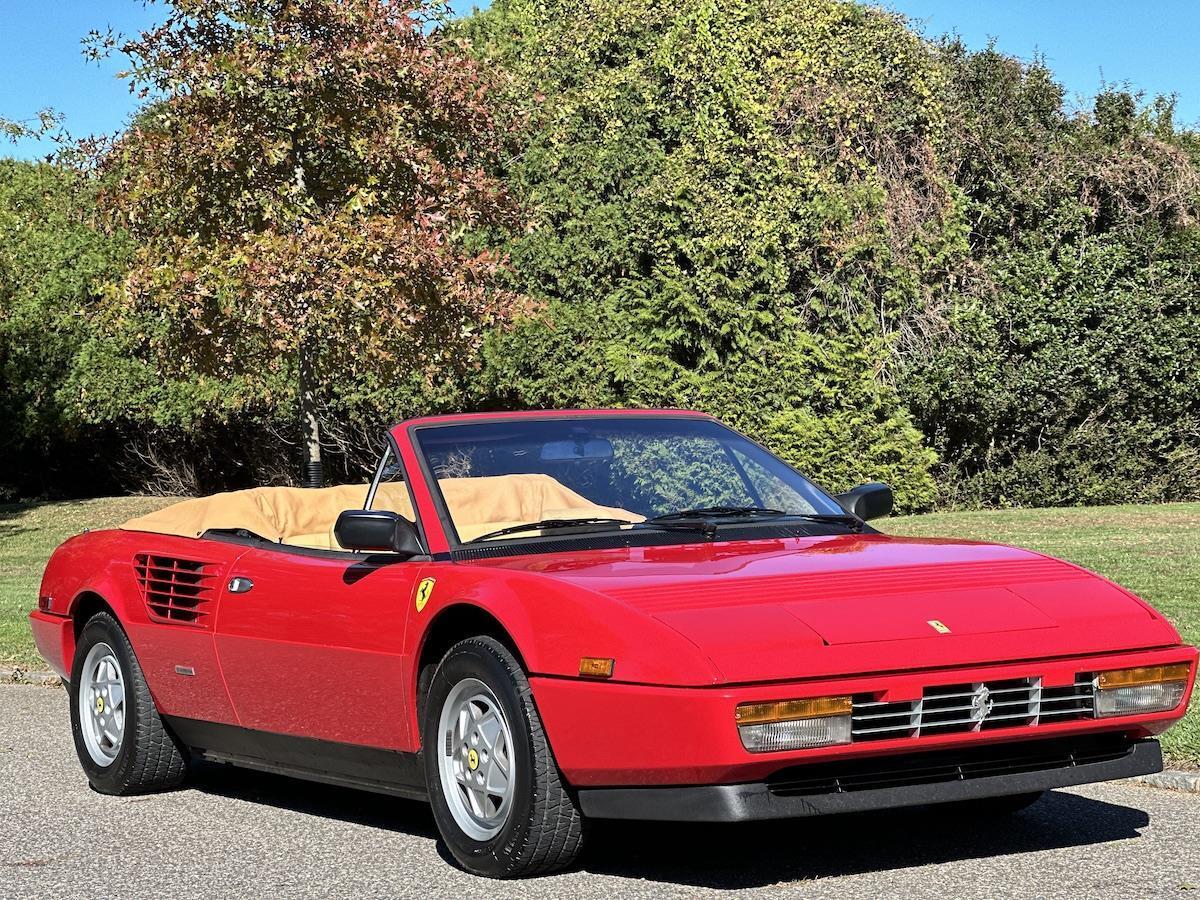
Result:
{"points": [[424, 592]]}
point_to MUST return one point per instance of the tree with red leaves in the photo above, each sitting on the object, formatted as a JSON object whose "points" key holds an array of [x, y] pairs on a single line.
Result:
{"points": [[303, 187]]}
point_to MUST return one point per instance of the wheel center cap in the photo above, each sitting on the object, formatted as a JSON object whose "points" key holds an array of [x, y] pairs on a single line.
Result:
{"points": [[473, 760], [99, 704]]}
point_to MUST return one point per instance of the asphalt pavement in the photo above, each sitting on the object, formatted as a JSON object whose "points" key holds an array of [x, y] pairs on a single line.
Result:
{"points": [[240, 834]]}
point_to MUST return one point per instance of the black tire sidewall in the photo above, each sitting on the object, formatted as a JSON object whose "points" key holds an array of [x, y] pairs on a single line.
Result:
{"points": [[103, 628], [478, 658]]}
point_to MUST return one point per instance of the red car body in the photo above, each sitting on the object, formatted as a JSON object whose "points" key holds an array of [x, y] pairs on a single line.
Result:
{"points": [[315, 672]]}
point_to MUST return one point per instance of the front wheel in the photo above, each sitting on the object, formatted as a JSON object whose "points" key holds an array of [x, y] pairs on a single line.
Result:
{"points": [[498, 798], [122, 743]]}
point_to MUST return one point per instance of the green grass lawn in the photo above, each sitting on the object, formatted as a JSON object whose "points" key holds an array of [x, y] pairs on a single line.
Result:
{"points": [[28, 534], [1153, 550]]}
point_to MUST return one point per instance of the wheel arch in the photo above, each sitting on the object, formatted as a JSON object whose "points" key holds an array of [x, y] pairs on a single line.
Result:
{"points": [[453, 623], [85, 605]]}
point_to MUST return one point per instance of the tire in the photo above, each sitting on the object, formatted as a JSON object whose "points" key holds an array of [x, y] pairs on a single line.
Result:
{"points": [[531, 827], [147, 757]]}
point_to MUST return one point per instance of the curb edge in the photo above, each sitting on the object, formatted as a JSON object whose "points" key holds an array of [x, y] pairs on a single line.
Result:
{"points": [[1171, 780], [17, 675]]}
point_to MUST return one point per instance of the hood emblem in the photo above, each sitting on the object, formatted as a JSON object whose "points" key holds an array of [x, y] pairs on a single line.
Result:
{"points": [[938, 626], [981, 703]]}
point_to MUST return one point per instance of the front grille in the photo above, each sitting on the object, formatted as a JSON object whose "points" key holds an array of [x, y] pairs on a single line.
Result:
{"points": [[976, 706], [174, 590], [959, 764]]}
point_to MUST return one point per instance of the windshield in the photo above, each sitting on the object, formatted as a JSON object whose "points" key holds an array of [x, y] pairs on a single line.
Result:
{"points": [[519, 478]]}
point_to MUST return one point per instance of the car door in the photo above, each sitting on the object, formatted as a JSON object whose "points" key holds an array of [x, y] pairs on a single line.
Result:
{"points": [[311, 644]]}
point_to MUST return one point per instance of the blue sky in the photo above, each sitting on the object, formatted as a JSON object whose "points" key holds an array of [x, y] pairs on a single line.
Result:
{"points": [[1152, 47], [1088, 43]]}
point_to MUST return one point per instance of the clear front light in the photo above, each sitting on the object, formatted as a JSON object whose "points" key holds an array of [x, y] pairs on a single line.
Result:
{"points": [[1143, 698], [1128, 692], [794, 724], [797, 734]]}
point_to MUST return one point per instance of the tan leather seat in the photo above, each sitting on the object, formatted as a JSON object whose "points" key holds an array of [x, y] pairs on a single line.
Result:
{"points": [[305, 517]]}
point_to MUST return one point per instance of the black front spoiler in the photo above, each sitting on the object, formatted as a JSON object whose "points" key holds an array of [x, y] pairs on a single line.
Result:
{"points": [[886, 782]]}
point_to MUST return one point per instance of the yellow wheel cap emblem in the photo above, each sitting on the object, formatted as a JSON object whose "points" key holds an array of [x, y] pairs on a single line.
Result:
{"points": [[424, 592], [473, 760], [99, 704]]}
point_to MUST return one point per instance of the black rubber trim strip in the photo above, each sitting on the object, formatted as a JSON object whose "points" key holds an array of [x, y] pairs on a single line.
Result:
{"points": [[747, 802], [382, 771]]}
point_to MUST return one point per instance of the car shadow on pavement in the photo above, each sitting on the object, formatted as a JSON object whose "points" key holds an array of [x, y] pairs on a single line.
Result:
{"points": [[738, 856], [324, 800], [763, 853]]}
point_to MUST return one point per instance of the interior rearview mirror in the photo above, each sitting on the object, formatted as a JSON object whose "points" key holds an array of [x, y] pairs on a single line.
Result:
{"points": [[377, 530], [867, 501], [580, 448]]}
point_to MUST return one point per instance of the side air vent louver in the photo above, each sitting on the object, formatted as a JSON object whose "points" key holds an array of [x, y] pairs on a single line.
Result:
{"points": [[175, 590], [946, 709]]}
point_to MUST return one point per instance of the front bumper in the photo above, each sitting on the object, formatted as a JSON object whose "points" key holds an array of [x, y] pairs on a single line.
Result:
{"points": [[875, 783], [617, 735]]}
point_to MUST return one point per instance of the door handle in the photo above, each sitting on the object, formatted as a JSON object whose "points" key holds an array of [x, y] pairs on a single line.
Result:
{"points": [[240, 584]]}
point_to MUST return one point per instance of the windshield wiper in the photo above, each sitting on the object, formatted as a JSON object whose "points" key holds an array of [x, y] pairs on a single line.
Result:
{"points": [[704, 518], [717, 512], [548, 524], [846, 519]]}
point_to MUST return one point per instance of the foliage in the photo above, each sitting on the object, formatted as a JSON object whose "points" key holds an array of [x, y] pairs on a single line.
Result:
{"points": [[1067, 368], [884, 256], [734, 206], [298, 192], [51, 260]]}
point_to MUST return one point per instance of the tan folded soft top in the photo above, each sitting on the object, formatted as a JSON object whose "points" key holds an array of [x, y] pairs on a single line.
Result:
{"points": [[305, 517]]}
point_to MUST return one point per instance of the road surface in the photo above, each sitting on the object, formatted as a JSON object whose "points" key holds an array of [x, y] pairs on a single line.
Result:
{"points": [[242, 834]]}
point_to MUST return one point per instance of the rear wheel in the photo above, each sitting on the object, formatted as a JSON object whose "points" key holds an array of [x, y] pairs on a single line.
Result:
{"points": [[498, 798], [122, 743]]}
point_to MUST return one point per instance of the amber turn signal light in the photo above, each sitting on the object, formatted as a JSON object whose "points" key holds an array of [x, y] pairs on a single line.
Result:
{"points": [[787, 710], [1145, 675], [595, 667]]}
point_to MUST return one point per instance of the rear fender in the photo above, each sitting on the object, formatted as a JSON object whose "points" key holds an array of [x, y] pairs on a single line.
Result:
{"points": [[178, 659]]}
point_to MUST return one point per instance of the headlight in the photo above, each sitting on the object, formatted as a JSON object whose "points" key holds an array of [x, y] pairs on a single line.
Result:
{"points": [[794, 724], [1127, 692]]}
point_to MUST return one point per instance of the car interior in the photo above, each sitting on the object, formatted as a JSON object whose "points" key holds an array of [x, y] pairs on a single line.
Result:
{"points": [[305, 517]]}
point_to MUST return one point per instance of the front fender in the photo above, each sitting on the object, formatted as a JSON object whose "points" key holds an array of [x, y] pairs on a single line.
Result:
{"points": [[555, 624]]}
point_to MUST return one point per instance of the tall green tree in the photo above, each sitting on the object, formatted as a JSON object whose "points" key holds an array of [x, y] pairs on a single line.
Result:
{"points": [[1066, 367], [52, 265], [736, 205], [301, 193]]}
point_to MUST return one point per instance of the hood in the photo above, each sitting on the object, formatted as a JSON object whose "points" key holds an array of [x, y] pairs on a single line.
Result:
{"points": [[854, 604]]}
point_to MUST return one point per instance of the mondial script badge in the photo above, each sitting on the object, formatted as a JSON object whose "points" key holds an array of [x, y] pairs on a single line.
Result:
{"points": [[939, 627], [424, 592]]}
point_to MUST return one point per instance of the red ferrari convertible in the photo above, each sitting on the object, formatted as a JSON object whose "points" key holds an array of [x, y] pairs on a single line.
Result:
{"points": [[534, 619]]}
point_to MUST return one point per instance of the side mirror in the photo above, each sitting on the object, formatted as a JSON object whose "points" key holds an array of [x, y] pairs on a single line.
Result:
{"points": [[867, 501], [378, 530]]}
